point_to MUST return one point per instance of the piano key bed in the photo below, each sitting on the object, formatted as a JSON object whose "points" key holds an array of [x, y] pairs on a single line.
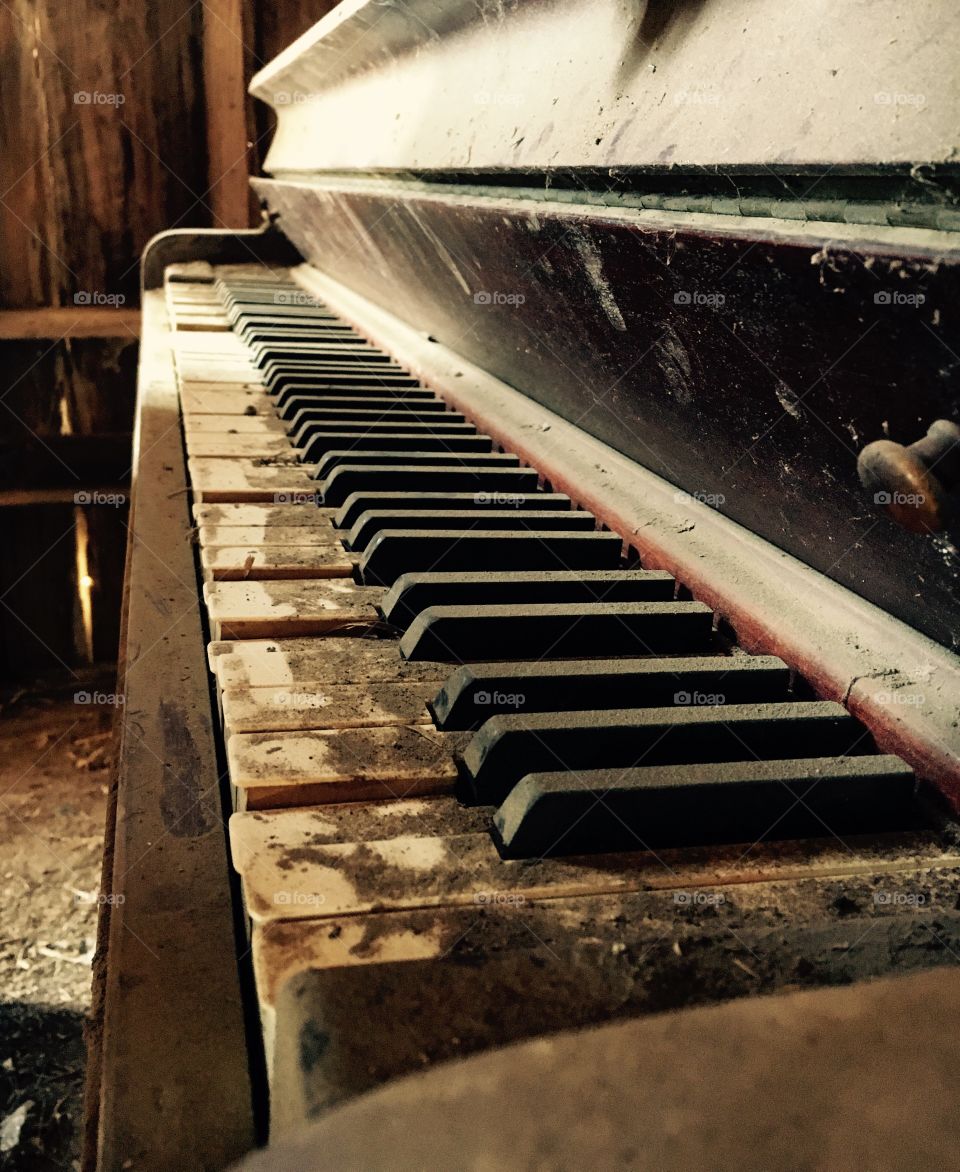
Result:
{"points": [[491, 777]]}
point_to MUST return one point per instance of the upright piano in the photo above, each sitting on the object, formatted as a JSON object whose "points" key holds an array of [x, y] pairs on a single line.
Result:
{"points": [[541, 739]]}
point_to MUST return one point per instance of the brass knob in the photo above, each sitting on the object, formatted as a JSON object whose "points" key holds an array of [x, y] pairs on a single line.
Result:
{"points": [[912, 483]]}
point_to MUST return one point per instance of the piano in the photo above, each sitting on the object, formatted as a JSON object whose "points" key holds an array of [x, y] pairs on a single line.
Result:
{"points": [[541, 614]]}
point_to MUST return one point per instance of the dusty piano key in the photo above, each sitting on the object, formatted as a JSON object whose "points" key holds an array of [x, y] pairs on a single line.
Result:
{"points": [[302, 510], [274, 770], [478, 504], [325, 707], [308, 662], [474, 478], [374, 521], [201, 399], [412, 460], [238, 446], [239, 424], [405, 551], [690, 805], [265, 535], [193, 370], [451, 437], [508, 747], [412, 593], [263, 610], [218, 479], [311, 421], [290, 402], [297, 377], [557, 630], [330, 405], [258, 331], [342, 367], [475, 692], [242, 563], [460, 454]]}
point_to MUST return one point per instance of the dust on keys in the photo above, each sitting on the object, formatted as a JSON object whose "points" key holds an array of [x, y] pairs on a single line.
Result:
{"points": [[424, 872]]}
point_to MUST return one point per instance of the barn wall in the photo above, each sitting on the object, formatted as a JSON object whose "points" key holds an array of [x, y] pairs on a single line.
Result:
{"points": [[120, 119]]}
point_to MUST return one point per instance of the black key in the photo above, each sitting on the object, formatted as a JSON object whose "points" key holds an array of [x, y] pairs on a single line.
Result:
{"points": [[478, 503], [330, 405], [257, 335], [405, 551], [294, 399], [371, 440], [299, 429], [350, 478], [507, 748], [370, 523], [324, 437], [333, 356], [478, 691], [693, 805], [341, 377], [441, 458], [557, 630], [412, 593]]}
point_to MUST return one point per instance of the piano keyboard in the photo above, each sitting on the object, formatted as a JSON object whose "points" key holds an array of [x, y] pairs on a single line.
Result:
{"points": [[464, 728]]}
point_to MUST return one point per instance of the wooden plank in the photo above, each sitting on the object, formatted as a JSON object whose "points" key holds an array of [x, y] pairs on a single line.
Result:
{"points": [[101, 143], [59, 321], [174, 1080], [226, 25]]}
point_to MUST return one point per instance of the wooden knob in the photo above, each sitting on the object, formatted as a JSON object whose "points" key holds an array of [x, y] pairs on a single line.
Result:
{"points": [[913, 483]]}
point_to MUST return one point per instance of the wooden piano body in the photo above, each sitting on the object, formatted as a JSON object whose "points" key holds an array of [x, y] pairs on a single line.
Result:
{"points": [[642, 298]]}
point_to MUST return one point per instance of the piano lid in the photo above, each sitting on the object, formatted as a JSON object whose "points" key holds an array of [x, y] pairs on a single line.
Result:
{"points": [[453, 85]]}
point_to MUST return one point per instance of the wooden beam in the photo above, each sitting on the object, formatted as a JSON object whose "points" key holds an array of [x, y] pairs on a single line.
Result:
{"points": [[69, 321], [109, 494], [226, 26]]}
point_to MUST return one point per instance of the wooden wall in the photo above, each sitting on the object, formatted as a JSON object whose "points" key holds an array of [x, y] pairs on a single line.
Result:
{"points": [[118, 119]]}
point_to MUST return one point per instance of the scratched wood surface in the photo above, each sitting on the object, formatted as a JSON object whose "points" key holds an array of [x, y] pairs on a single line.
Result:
{"points": [[174, 1087]]}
